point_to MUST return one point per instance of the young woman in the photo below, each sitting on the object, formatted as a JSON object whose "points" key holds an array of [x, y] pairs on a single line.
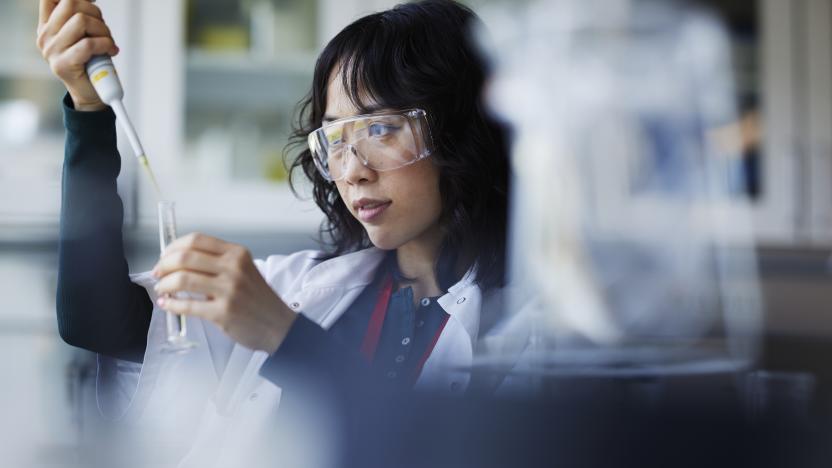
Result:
{"points": [[411, 174]]}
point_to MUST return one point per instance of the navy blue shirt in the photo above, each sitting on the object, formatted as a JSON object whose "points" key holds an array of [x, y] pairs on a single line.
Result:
{"points": [[408, 331]]}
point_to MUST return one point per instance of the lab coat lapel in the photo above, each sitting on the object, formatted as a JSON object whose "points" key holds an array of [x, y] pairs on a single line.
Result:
{"points": [[332, 286], [505, 336], [327, 291], [447, 366], [450, 365]]}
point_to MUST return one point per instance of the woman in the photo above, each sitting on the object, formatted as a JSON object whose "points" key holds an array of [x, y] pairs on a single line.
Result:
{"points": [[411, 174]]}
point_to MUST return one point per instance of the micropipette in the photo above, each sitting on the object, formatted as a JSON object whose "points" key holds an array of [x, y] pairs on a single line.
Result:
{"points": [[104, 79]]}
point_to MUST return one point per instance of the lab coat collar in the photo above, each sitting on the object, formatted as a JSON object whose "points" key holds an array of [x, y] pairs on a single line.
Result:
{"points": [[463, 301], [332, 285], [345, 271]]}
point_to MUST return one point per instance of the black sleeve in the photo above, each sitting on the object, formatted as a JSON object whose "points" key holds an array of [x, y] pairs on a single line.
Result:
{"points": [[98, 307], [309, 356]]}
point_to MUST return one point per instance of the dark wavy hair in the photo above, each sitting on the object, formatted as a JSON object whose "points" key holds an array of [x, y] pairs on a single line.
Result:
{"points": [[420, 55]]}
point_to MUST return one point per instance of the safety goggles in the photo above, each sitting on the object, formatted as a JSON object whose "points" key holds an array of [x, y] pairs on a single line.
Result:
{"points": [[381, 142]]}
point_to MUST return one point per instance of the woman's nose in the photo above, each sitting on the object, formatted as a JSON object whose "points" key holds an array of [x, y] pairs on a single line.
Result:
{"points": [[355, 170]]}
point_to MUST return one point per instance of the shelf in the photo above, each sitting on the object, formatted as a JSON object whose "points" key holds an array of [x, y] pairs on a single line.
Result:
{"points": [[242, 81], [201, 61]]}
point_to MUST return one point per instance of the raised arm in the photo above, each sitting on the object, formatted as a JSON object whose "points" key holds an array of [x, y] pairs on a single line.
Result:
{"points": [[98, 307]]}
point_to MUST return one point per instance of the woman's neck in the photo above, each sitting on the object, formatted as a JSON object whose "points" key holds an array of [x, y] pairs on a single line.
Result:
{"points": [[417, 261]]}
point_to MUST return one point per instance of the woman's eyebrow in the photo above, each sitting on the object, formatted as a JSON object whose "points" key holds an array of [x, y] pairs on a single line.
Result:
{"points": [[366, 110]]}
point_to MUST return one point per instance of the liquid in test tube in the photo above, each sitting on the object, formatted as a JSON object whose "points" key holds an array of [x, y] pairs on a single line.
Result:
{"points": [[177, 339]]}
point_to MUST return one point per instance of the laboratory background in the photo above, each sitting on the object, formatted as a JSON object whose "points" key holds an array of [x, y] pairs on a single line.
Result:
{"points": [[212, 88]]}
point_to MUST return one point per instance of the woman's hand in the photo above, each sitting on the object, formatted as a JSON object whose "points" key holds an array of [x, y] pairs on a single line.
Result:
{"points": [[70, 33], [238, 299]]}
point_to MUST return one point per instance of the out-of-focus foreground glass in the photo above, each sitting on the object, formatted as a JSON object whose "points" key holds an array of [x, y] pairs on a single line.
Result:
{"points": [[629, 254]]}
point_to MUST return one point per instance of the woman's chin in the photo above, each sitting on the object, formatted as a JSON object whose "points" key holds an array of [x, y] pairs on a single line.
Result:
{"points": [[383, 240]]}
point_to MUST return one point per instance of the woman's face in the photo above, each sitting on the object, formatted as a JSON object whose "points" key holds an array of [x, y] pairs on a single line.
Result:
{"points": [[395, 207]]}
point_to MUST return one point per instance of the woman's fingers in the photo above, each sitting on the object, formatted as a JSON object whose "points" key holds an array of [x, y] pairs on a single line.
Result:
{"points": [[69, 33], [191, 282], [201, 242], [82, 51], [45, 10], [77, 28], [193, 260], [61, 14], [202, 309], [229, 257]]}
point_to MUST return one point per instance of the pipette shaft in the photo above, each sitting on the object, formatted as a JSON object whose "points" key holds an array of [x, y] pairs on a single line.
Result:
{"points": [[103, 76]]}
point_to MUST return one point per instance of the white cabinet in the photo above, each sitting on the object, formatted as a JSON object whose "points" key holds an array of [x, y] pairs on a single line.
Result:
{"points": [[31, 127], [776, 211], [816, 120], [796, 208], [219, 84], [214, 119]]}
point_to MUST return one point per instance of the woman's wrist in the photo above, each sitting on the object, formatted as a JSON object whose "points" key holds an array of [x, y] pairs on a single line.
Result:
{"points": [[86, 105], [90, 107], [286, 318]]}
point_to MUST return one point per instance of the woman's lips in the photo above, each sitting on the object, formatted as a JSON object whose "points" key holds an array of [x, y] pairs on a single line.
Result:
{"points": [[370, 212]]}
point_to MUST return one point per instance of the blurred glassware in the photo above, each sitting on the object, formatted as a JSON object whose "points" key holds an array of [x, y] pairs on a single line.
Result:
{"points": [[628, 254]]}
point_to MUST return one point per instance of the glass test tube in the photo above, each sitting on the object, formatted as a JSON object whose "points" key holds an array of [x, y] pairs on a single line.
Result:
{"points": [[177, 339]]}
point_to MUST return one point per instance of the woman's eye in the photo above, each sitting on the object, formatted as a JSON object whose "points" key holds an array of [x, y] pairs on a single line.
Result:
{"points": [[378, 129]]}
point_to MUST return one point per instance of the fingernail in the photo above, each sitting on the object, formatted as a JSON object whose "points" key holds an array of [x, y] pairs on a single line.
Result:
{"points": [[160, 302]]}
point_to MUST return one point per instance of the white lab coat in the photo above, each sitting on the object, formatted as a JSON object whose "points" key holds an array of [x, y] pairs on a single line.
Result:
{"points": [[187, 394]]}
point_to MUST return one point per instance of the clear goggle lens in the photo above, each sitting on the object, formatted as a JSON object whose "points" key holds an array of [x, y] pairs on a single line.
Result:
{"points": [[381, 142]]}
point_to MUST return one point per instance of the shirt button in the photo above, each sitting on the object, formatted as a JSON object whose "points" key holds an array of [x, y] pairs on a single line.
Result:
{"points": [[294, 305], [420, 324], [454, 386], [400, 359], [252, 397], [460, 300], [406, 341], [425, 302], [391, 375]]}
